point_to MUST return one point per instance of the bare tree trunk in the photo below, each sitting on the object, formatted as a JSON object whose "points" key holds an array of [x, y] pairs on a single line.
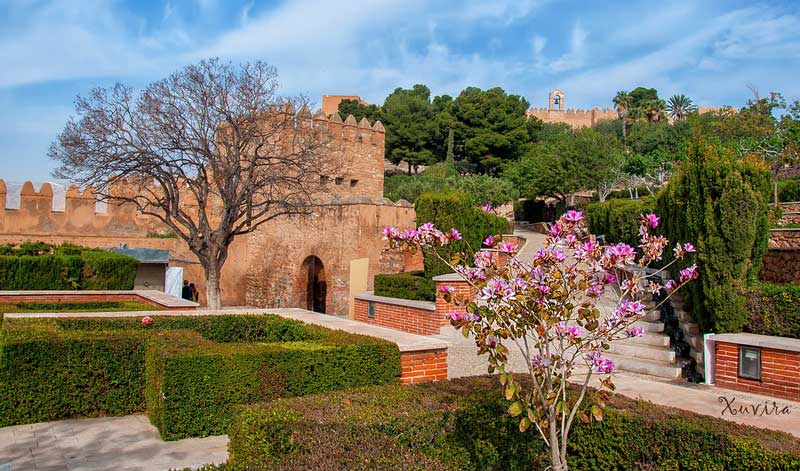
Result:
{"points": [[775, 191], [213, 297]]}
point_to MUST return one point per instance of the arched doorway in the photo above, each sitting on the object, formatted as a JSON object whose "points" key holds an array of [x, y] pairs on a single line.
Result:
{"points": [[316, 286]]}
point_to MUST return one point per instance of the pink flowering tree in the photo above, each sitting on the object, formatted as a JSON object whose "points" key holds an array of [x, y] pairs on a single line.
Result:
{"points": [[560, 310]]}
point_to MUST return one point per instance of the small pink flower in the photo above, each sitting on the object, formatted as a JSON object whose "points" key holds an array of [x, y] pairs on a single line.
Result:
{"points": [[507, 247], [688, 248], [573, 216], [489, 241], [610, 279], [454, 234], [147, 320], [689, 273], [651, 220], [635, 331]]}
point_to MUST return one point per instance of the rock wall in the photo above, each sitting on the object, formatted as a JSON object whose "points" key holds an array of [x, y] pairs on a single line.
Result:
{"points": [[781, 264]]}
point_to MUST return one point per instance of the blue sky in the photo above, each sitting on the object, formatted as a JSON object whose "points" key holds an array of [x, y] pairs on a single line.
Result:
{"points": [[709, 50]]}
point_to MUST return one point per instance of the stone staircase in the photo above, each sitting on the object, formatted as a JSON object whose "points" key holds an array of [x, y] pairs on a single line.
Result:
{"points": [[653, 354]]}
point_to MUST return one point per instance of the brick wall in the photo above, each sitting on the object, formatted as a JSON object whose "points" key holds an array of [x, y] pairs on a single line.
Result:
{"points": [[780, 370], [423, 366], [396, 316]]}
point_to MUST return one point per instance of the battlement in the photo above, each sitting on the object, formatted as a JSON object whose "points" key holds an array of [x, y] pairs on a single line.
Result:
{"points": [[574, 117]]}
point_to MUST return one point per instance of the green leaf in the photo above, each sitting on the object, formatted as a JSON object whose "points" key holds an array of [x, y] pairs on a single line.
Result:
{"points": [[597, 413], [515, 409], [524, 424]]}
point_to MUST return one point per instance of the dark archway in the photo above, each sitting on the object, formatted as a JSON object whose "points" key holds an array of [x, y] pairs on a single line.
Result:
{"points": [[316, 284]]}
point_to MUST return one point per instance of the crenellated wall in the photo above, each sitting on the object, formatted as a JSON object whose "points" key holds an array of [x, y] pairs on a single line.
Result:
{"points": [[267, 265], [575, 118]]}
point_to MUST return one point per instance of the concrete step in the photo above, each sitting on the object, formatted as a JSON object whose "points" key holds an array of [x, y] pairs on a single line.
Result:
{"points": [[649, 352], [656, 368], [652, 315], [649, 338], [696, 342], [689, 328], [649, 326], [684, 316]]}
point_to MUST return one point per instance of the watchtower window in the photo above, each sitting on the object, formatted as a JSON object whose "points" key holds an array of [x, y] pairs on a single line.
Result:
{"points": [[339, 180], [353, 182], [557, 100]]}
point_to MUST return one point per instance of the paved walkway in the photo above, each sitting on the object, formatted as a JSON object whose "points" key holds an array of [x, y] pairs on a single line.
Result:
{"points": [[111, 443]]}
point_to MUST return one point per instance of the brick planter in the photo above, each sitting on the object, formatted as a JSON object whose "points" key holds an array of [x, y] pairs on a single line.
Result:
{"points": [[461, 290], [779, 365], [422, 366], [416, 317]]}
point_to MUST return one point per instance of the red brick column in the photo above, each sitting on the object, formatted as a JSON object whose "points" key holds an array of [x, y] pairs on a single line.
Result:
{"points": [[461, 290], [780, 372], [423, 366]]}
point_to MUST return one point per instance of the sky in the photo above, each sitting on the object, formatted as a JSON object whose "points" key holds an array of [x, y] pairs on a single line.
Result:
{"points": [[712, 51]]}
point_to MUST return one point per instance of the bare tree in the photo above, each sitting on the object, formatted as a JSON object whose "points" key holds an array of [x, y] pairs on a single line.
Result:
{"points": [[212, 151]]}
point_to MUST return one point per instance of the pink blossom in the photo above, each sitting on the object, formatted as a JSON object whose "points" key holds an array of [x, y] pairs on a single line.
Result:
{"points": [[454, 234], [446, 289], [651, 220], [600, 364], [565, 330], [595, 291], [689, 273], [688, 248], [489, 241], [507, 247], [492, 341], [147, 320], [556, 229], [488, 208], [610, 279], [408, 234], [573, 216], [670, 285], [635, 331]]}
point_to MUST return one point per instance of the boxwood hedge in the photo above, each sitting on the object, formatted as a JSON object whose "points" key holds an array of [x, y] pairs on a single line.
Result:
{"points": [[409, 285], [40, 266], [187, 372], [463, 425]]}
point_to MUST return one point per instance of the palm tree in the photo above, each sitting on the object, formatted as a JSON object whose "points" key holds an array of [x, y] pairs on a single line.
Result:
{"points": [[654, 110], [680, 106], [622, 103]]}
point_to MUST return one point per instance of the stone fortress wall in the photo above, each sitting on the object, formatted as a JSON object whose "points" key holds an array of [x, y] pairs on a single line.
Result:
{"points": [[557, 112], [263, 267]]}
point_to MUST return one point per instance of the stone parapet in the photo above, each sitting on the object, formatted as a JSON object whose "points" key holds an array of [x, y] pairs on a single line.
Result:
{"points": [[416, 317]]}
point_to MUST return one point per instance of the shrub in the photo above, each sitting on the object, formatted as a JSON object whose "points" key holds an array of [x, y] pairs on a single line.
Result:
{"points": [[454, 209], [789, 190], [460, 425], [188, 372], [719, 203], [481, 189], [412, 285], [774, 310], [87, 306], [40, 266], [618, 219]]}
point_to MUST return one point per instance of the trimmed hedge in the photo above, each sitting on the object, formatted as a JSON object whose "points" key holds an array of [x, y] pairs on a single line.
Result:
{"points": [[455, 209], [40, 266], [789, 190], [618, 219], [188, 372], [774, 310], [88, 306], [410, 285], [463, 425]]}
